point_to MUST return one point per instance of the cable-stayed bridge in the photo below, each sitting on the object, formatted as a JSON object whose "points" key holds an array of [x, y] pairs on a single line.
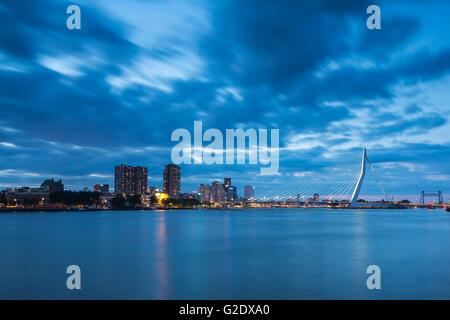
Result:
{"points": [[328, 191], [324, 190]]}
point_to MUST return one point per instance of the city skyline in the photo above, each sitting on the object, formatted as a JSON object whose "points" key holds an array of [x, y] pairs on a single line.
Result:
{"points": [[312, 187], [114, 91]]}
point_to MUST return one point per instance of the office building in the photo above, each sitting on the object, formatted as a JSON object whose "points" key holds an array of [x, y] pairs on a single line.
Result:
{"points": [[249, 193], [231, 194], [130, 180], [172, 180], [227, 182]]}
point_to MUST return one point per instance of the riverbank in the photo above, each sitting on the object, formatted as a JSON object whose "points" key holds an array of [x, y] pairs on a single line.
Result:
{"points": [[71, 209], [47, 209]]}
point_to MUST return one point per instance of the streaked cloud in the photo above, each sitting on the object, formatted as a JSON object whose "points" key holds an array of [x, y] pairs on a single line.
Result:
{"points": [[74, 104]]}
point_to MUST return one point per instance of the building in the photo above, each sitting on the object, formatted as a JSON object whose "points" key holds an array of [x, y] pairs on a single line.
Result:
{"points": [[231, 194], [218, 192], [172, 180], [52, 186], [152, 190], [105, 199], [193, 195], [205, 193], [315, 197], [149, 199], [227, 182], [130, 180], [249, 193], [26, 196], [102, 188]]}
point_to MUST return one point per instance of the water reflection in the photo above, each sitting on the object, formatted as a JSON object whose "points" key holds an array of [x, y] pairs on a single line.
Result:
{"points": [[162, 266]]}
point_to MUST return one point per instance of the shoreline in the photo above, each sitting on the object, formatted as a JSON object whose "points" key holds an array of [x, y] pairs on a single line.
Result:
{"points": [[69, 209]]}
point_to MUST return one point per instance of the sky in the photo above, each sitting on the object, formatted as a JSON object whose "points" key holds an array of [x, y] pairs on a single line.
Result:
{"points": [[75, 103]]}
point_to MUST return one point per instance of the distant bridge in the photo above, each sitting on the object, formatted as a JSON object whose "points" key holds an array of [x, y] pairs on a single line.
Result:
{"points": [[336, 192], [438, 195]]}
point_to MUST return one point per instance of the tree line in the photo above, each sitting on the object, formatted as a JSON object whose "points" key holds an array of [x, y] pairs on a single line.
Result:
{"points": [[88, 198]]}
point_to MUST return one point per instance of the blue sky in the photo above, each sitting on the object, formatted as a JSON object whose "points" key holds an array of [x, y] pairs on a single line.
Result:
{"points": [[76, 102]]}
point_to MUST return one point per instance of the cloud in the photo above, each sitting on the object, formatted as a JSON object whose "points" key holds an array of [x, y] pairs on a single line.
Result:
{"points": [[438, 177], [8, 145], [77, 103]]}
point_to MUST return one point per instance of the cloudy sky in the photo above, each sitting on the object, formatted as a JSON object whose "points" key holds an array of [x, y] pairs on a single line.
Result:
{"points": [[73, 103]]}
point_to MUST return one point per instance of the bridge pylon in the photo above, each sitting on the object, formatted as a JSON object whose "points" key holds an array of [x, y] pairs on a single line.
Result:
{"points": [[362, 174], [355, 195]]}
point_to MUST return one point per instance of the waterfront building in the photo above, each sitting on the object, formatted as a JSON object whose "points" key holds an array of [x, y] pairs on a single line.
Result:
{"points": [[227, 182], [101, 188], [130, 180], [104, 199], [51, 185], [315, 197], [205, 193], [172, 180], [218, 192], [249, 193], [27, 196], [231, 194]]}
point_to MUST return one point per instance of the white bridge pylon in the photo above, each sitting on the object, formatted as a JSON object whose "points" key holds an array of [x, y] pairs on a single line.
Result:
{"points": [[355, 195], [358, 186]]}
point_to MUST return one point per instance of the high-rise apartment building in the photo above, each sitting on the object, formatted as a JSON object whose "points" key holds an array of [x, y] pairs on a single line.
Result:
{"points": [[205, 192], [172, 180], [218, 192], [130, 180]]}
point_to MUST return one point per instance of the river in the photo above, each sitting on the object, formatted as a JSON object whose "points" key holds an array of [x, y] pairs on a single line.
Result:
{"points": [[226, 254]]}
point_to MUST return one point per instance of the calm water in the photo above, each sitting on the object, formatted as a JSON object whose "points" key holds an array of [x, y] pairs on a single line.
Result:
{"points": [[208, 254]]}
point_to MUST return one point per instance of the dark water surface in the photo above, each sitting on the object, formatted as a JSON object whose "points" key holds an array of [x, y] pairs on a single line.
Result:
{"points": [[221, 254]]}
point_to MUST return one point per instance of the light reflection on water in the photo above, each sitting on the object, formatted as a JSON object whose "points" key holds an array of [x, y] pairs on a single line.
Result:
{"points": [[220, 254]]}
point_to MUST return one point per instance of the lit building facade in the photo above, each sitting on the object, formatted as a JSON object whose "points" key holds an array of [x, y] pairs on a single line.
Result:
{"points": [[130, 180], [218, 192], [172, 180], [205, 193], [231, 194]]}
